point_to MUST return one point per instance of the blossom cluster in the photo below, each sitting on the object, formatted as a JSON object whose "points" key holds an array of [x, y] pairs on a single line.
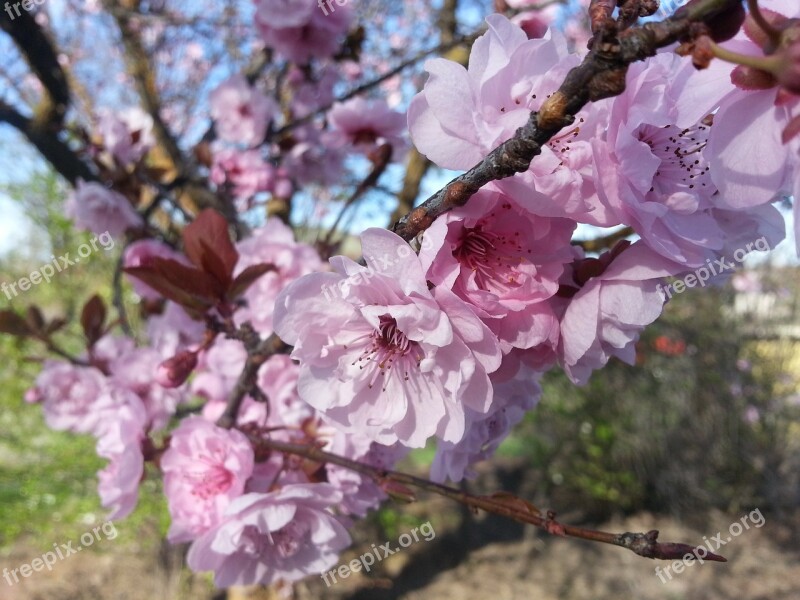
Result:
{"points": [[448, 342]]}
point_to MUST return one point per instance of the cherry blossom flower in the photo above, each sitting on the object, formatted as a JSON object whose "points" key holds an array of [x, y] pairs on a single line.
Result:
{"points": [[95, 208], [126, 133], [205, 468], [272, 244], [387, 358], [368, 124], [300, 31], [504, 261], [246, 172], [613, 298], [463, 114], [283, 535], [240, 112], [513, 398]]}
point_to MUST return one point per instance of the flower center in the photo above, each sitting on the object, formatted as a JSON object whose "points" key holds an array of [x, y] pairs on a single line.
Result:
{"points": [[493, 257], [681, 152], [212, 481], [388, 347]]}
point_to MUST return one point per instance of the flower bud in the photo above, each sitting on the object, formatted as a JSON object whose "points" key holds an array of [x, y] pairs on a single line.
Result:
{"points": [[174, 371]]}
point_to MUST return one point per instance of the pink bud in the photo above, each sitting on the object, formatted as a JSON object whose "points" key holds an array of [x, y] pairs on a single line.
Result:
{"points": [[176, 370]]}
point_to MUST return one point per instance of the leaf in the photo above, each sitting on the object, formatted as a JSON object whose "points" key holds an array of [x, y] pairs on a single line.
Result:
{"points": [[247, 278], [12, 324], [55, 325], [93, 319], [35, 319], [191, 288], [208, 245]]}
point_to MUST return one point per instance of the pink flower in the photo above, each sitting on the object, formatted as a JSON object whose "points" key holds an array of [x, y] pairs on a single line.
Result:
{"points": [[463, 114], [173, 330], [120, 439], [368, 124], [205, 469], [135, 370], [127, 134], [272, 244], [615, 298], [303, 31], [139, 253], [95, 208], [240, 112], [360, 494], [69, 396], [382, 355], [502, 260], [655, 175], [314, 158], [246, 172], [750, 163], [283, 535], [513, 398]]}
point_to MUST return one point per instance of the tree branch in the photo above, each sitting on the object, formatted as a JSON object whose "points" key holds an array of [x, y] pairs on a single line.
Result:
{"points": [[600, 75], [643, 544]]}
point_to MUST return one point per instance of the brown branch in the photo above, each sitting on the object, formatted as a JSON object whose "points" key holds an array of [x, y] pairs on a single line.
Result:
{"points": [[49, 144], [643, 544], [258, 351], [382, 157], [600, 75], [417, 165], [40, 54]]}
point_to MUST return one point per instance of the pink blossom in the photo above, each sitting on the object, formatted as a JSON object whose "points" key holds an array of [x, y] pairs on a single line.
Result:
{"points": [[205, 468], [173, 330], [134, 369], [273, 244], [219, 368], [240, 112], [120, 440], [513, 398], [69, 395], [314, 158], [368, 124], [139, 253], [303, 31], [502, 260], [750, 163], [283, 535], [96, 208], [655, 175], [360, 494], [615, 298], [463, 114], [246, 172], [127, 134], [382, 355]]}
